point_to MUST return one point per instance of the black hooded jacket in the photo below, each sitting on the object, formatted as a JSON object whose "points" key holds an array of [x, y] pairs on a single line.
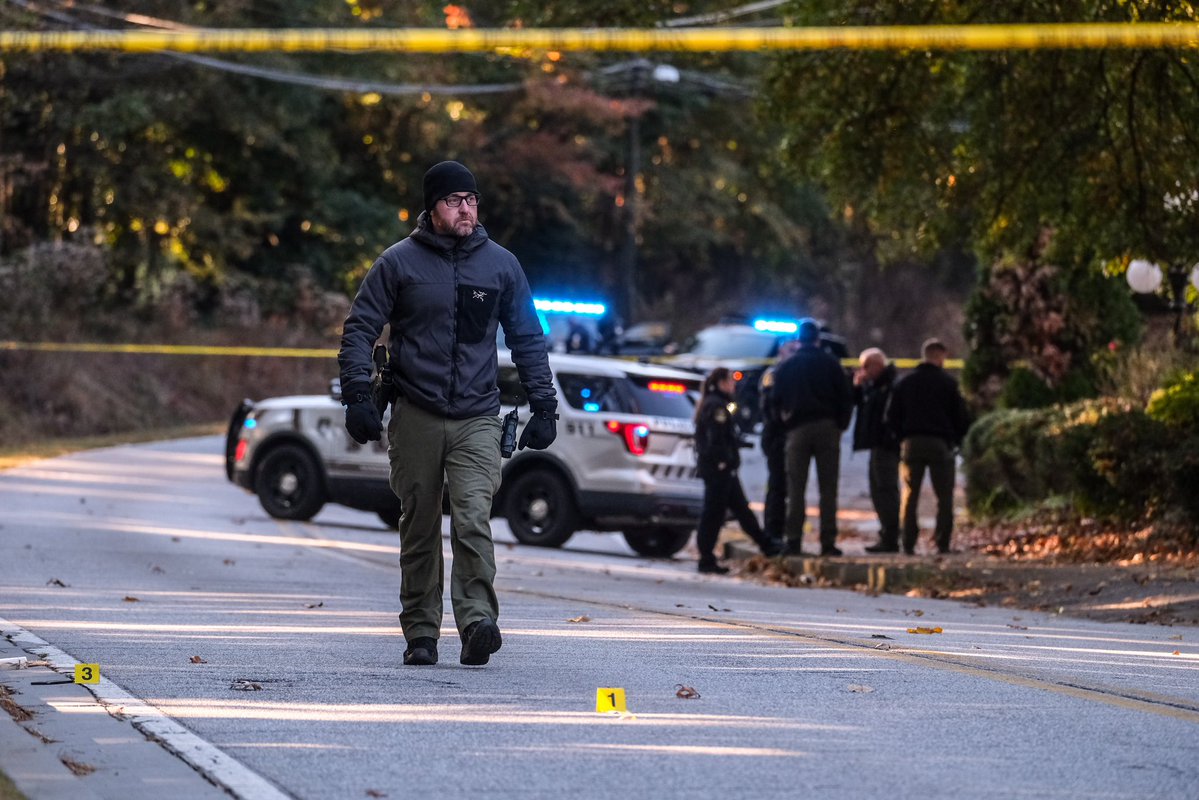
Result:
{"points": [[444, 297]]}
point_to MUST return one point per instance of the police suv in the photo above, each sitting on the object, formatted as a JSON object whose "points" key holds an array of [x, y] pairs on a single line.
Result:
{"points": [[623, 460]]}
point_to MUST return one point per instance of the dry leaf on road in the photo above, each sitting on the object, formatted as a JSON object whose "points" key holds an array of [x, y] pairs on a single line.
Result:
{"points": [[314, 605], [860, 688], [924, 630], [131, 599], [580, 618], [197, 660], [685, 692]]}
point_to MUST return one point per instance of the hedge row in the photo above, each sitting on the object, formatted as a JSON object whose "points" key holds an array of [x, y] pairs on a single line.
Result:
{"points": [[1107, 458]]}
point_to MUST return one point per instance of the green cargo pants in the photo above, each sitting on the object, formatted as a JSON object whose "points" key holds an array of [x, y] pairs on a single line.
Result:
{"points": [[427, 453], [819, 440]]}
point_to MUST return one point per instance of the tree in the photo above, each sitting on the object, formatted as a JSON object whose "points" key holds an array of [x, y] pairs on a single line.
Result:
{"points": [[988, 149]]}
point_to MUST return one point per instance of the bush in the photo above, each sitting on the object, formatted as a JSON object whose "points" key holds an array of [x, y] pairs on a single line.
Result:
{"points": [[1104, 457], [1177, 404]]}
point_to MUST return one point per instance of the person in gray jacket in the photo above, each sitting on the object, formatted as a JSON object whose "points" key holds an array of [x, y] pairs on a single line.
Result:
{"points": [[444, 290]]}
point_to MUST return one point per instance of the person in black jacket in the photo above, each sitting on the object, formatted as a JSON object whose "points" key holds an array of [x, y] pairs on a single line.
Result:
{"points": [[718, 456], [872, 385], [445, 290], [813, 397], [774, 447], [929, 416]]}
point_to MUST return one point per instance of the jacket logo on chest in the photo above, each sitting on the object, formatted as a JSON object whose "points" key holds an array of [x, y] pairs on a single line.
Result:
{"points": [[478, 295]]}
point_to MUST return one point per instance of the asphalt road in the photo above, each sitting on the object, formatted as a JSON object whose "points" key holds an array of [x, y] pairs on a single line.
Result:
{"points": [[143, 560]]}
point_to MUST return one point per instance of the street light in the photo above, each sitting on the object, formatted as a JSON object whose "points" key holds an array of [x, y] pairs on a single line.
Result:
{"points": [[1145, 277], [638, 70]]}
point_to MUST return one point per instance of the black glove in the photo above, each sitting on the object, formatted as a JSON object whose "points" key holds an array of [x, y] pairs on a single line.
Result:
{"points": [[362, 418], [541, 430]]}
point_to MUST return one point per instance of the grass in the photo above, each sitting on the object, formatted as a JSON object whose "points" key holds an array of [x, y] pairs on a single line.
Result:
{"points": [[17, 455]]}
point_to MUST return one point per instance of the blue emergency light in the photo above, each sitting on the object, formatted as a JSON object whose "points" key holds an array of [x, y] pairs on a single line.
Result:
{"points": [[569, 307], [776, 325]]}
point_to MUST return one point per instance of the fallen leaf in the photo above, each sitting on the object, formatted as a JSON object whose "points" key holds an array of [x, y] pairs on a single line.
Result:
{"points": [[131, 599], [229, 562], [714, 608], [1177, 652], [924, 630], [580, 618], [314, 605], [198, 660], [860, 688], [879, 636], [243, 685], [685, 692], [679, 605], [1017, 627], [157, 569], [56, 582], [914, 613], [375, 793], [1177, 637]]}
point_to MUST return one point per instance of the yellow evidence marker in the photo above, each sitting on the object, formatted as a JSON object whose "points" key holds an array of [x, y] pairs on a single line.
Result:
{"points": [[609, 700], [87, 673]]}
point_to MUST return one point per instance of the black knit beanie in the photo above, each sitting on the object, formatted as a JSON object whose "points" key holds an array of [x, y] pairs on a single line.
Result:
{"points": [[447, 178]]}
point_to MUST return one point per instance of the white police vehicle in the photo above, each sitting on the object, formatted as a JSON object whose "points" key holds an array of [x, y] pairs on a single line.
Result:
{"points": [[623, 460]]}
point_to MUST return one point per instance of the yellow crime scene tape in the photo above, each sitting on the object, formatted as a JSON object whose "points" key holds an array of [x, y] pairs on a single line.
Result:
{"points": [[1032, 36], [322, 352], [170, 349]]}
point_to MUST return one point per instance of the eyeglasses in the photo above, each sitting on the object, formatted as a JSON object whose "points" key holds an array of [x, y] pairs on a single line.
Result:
{"points": [[455, 200]]}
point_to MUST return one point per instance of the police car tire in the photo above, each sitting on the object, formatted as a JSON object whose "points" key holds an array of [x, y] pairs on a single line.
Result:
{"points": [[658, 542], [540, 509], [308, 497]]}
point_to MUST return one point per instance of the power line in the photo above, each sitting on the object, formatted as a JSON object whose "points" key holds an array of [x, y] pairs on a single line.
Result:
{"points": [[721, 16], [266, 73]]}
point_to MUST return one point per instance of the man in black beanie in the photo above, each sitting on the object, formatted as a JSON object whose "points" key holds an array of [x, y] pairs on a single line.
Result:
{"points": [[444, 290]]}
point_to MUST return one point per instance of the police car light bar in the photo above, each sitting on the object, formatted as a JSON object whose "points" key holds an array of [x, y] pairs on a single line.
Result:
{"points": [[776, 325], [569, 307]]}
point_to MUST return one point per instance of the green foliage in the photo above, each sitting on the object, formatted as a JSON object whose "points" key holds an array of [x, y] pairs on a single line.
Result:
{"points": [[1177, 404], [1099, 457], [938, 147], [1034, 328], [194, 175]]}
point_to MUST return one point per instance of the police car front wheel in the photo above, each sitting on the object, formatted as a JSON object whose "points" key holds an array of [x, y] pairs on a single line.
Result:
{"points": [[540, 509], [289, 483]]}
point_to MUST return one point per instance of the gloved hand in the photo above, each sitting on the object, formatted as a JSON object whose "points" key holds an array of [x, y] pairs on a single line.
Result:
{"points": [[541, 429], [362, 418]]}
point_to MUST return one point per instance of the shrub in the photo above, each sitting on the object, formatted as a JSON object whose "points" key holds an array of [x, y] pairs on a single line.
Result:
{"points": [[1104, 457], [1177, 404]]}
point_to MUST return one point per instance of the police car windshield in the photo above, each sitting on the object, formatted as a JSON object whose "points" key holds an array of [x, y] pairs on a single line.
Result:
{"points": [[726, 343]]}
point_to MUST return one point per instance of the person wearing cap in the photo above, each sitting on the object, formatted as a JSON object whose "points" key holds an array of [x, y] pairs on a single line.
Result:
{"points": [[444, 290], [872, 385], [814, 404], [928, 415]]}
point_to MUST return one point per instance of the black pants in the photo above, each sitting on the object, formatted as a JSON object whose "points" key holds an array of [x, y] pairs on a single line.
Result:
{"points": [[775, 517], [723, 493]]}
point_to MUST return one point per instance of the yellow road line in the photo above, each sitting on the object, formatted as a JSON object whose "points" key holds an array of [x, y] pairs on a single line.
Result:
{"points": [[1057, 36]]}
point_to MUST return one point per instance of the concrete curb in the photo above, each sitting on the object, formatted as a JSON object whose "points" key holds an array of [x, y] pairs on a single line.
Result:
{"points": [[885, 573]]}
